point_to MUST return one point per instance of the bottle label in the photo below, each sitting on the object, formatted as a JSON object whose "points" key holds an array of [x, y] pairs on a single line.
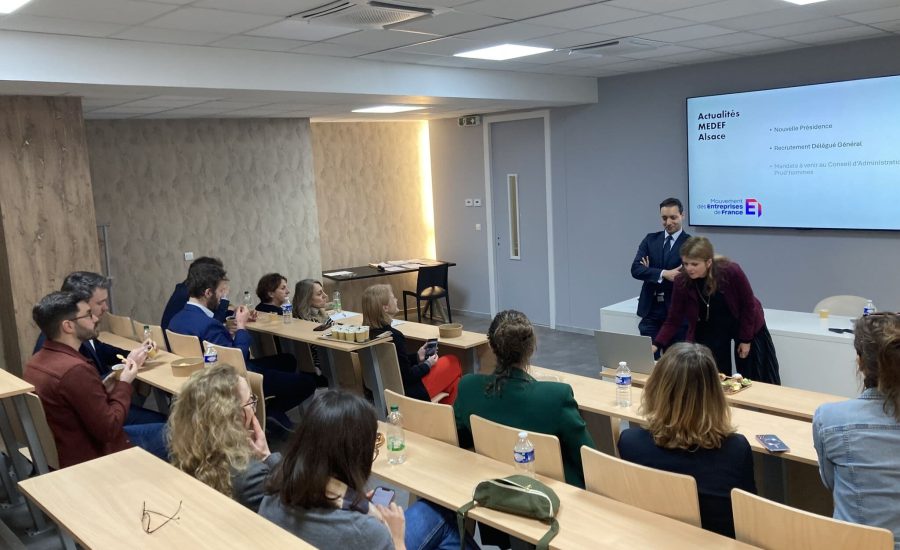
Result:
{"points": [[396, 444], [623, 380], [210, 358], [524, 457]]}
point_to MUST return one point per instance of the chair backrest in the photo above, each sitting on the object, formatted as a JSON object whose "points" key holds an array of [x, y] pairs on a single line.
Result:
{"points": [[155, 332], [388, 366], [433, 420], [121, 326], [843, 304], [658, 491], [45, 436], [185, 345], [497, 441], [432, 276], [255, 380], [229, 356], [774, 526]]}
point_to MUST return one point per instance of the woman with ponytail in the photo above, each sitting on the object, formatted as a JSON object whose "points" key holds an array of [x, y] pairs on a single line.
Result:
{"points": [[857, 440], [511, 396]]}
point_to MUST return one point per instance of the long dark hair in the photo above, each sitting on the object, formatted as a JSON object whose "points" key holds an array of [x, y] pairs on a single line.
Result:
{"points": [[877, 343], [512, 339], [336, 439]]}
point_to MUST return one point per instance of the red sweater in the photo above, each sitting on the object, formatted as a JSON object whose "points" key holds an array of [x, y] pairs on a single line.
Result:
{"points": [[739, 298], [85, 420]]}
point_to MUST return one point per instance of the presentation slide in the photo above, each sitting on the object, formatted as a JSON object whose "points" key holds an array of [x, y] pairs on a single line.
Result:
{"points": [[820, 156]]}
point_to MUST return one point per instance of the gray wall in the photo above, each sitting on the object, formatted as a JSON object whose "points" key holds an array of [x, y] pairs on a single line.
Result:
{"points": [[614, 161]]}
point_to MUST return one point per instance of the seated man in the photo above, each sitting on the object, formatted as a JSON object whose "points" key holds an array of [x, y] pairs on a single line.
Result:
{"points": [[85, 415], [94, 289], [180, 296], [288, 388]]}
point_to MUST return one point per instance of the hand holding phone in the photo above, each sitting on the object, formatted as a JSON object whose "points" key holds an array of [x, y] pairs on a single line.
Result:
{"points": [[773, 443], [382, 496], [431, 347]]}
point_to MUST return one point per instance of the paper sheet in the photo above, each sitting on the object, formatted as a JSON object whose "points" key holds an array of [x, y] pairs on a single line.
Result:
{"points": [[343, 315], [338, 274]]}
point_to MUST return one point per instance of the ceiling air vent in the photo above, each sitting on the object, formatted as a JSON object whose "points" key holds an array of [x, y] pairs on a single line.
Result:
{"points": [[360, 14], [616, 47]]}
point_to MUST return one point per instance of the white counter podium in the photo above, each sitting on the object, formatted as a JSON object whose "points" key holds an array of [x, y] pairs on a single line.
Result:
{"points": [[809, 355]]}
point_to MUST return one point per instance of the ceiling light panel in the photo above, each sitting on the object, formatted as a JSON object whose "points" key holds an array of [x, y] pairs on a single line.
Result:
{"points": [[388, 109], [502, 52]]}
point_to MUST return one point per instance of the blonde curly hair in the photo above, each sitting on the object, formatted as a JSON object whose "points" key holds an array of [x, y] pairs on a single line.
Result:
{"points": [[206, 434]]}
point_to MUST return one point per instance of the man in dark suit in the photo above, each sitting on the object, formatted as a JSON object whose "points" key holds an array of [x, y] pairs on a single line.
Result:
{"points": [[180, 297], [657, 262]]}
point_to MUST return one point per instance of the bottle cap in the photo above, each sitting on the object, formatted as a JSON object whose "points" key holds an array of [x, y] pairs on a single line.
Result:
{"points": [[523, 435], [394, 408], [146, 327], [623, 364]]}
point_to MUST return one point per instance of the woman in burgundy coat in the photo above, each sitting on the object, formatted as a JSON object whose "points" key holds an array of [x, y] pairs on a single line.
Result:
{"points": [[714, 296]]}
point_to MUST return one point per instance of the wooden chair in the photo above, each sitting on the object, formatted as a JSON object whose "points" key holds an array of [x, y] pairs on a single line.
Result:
{"points": [[431, 285], [184, 345], [389, 366], [433, 420], [121, 326], [256, 388], [45, 436], [774, 526], [842, 304], [497, 441], [658, 491], [229, 356], [155, 332]]}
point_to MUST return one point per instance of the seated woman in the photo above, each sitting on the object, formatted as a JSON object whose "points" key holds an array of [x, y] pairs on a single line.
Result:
{"points": [[272, 291], [310, 301], [423, 377], [714, 297], [857, 440], [689, 432], [510, 396], [318, 491], [214, 435]]}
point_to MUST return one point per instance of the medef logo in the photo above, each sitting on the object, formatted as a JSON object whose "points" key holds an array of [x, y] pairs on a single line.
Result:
{"points": [[752, 207]]}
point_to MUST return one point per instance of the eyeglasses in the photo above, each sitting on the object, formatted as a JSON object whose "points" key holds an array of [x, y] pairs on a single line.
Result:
{"points": [[145, 518], [85, 316], [379, 442], [252, 403]]}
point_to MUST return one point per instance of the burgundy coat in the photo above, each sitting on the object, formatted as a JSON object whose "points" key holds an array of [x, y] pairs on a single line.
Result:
{"points": [[86, 421], [738, 296]]}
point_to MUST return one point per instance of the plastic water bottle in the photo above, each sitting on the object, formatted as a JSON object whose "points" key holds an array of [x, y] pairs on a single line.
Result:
{"points": [[396, 441], [248, 300], [623, 385], [147, 334], [869, 308], [287, 312], [210, 357], [337, 301], [523, 453]]}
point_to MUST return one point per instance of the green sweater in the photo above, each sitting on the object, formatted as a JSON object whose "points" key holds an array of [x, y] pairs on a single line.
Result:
{"points": [[530, 405]]}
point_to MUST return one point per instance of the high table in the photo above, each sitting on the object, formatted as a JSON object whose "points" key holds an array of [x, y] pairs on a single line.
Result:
{"points": [[447, 475], [809, 355], [367, 271], [100, 502], [13, 389]]}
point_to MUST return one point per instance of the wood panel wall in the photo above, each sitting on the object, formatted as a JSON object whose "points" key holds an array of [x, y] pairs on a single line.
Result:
{"points": [[48, 224]]}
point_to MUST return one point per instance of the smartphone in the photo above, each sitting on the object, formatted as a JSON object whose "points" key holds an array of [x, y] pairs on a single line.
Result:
{"points": [[382, 496], [773, 443], [431, 347], [326, 325]]}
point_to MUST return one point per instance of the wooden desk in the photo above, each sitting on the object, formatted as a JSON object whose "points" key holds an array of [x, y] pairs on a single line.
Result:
{"points": [[810, 356], [100, 503], [472, 346], [157, 371], [447, 475], [367, 271], [780, 400], [12, 391]]}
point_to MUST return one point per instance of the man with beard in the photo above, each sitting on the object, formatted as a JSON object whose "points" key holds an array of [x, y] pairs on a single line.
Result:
{"points": [[206, 285], [86, 415]]}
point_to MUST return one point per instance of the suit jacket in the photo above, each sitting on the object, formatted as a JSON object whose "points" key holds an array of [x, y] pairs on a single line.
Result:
{"points": [[193, 321], [86, 421], [526, 404], [177, 302], [652, 246], [101, 355]]}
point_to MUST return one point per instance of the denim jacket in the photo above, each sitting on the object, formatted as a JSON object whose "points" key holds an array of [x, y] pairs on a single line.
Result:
{"points": [[857, 444]]}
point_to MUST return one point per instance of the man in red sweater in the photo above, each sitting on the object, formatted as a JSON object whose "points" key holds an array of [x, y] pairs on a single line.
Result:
{"points": [[85, 414]]}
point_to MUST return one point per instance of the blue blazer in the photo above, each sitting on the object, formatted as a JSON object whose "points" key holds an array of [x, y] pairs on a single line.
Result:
{"points": [[652, 246], [176, 303], [193, 321]]}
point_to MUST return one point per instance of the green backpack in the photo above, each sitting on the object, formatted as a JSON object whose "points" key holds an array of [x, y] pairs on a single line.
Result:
{"points": [[520, 495]]}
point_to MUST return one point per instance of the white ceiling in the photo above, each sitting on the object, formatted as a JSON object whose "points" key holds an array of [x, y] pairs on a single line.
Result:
{"points": [[688, 32]]}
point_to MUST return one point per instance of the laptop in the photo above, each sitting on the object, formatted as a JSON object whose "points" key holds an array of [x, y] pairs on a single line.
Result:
{"points": [[613, 347]]}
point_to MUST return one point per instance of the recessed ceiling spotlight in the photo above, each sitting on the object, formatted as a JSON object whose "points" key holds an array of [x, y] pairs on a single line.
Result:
{"points": [[502, 52], [388, 109], [9, 6], [803, 2]]}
